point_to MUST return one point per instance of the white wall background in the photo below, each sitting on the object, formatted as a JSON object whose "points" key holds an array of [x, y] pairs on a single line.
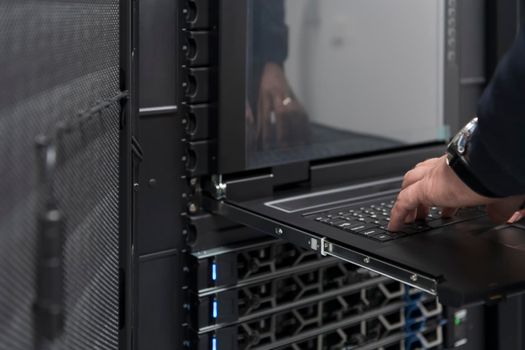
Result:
{"points": [[373, 66]]}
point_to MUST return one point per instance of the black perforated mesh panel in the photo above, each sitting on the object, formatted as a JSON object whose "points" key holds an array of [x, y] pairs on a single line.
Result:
{"points": [[59, 59]]}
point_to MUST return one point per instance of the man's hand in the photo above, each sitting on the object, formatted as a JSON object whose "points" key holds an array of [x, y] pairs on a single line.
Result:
{"points": [[281, 120], [432, 183]]}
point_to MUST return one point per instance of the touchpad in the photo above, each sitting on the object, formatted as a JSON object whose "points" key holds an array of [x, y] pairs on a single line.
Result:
{"points": [[509, 236]]}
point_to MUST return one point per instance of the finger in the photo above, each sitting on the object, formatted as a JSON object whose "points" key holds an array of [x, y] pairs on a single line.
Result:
{"points": [[411, 216], [517, 216], [280, 126], [501, 210], [414, 176], [407, 200], [259, 119], [419, 171], [422, 212], [278, 105], [448, 212], [265, 108]]}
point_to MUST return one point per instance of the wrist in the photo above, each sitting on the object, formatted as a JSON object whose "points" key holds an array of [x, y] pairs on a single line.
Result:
{"points": [[458, 155]]}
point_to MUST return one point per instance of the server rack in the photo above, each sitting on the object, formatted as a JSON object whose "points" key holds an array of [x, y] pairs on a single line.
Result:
{"points": [[162, 273], [207, 283], [279, 296]]}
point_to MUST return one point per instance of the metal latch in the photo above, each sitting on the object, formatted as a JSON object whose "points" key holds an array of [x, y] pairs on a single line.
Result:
{"points": [[323, 246], [326, 247], [219, 187]]}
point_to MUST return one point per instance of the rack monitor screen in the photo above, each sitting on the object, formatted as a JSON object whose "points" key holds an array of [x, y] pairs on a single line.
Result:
{"points": [[327, 78]]}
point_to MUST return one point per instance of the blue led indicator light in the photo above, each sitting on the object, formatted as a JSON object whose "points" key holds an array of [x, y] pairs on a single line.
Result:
{"points": [[214, 272], [214, 343], [215, 309]]}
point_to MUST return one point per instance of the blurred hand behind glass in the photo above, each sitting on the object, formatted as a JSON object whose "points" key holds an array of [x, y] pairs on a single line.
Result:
{"points": [[251, 136], [281, 120]]}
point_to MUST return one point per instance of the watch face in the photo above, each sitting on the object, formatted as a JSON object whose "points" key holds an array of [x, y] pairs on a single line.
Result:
{"points": [[460, 141]]}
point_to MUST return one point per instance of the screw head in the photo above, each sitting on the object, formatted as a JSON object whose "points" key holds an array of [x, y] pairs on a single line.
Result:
{"points": [[413, 278], [192, 207], [136, 187], [366, 260], [278, 231], [152, 182]]}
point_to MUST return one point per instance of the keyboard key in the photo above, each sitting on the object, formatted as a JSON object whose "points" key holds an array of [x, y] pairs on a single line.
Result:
{"points": [[432, 216], [372, 232], [382, 237], [369, 220], [415, 228], [363, 226], [356, 226], [336, 222], [349, 217], [383, 222]]}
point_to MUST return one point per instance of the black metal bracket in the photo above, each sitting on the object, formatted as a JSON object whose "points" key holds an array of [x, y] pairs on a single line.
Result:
{"points": [[198, 55], [321, 244]]}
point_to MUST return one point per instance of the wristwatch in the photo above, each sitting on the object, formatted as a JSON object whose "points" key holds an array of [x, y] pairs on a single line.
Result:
{"points": [[458, 155]]}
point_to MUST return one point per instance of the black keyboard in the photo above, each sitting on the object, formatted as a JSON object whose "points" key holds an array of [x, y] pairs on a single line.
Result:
{"points": [[371, 220]]}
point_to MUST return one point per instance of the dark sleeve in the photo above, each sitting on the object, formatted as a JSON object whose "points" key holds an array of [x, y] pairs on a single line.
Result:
{"points": [[271, 32], [497, 155]]}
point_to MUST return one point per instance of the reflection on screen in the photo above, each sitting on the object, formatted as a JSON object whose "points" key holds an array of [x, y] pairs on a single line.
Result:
{"points": [[327, 78]]}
